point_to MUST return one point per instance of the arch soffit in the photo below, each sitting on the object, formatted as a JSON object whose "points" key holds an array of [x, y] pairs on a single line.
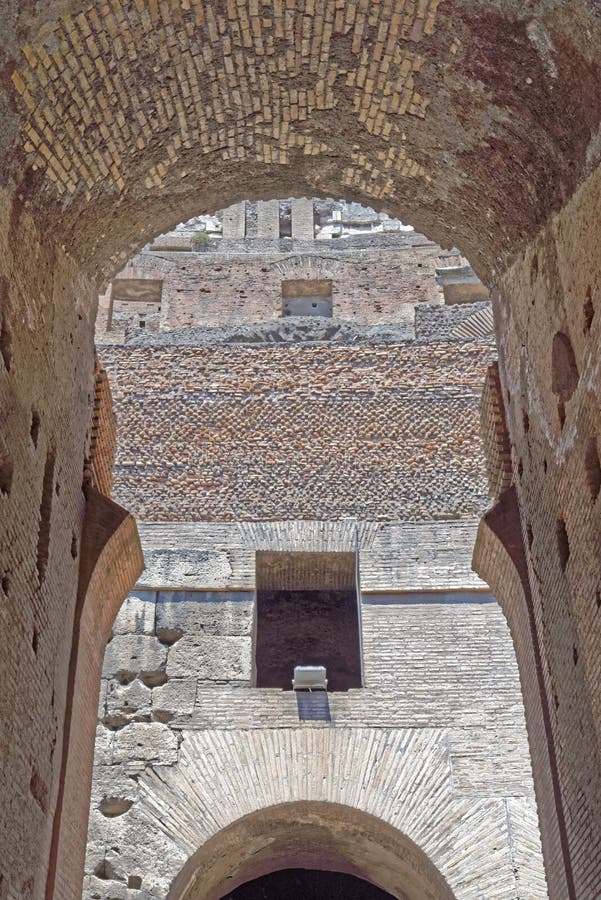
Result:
{"points": [[428, 116]]}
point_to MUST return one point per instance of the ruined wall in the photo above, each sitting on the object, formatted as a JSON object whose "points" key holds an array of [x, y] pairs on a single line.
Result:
{"points": [[299, 431], [549, 329], [179, 713], [380, 283], [46, 393]]}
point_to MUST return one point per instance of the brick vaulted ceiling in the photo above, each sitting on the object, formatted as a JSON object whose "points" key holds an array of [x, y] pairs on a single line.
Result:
{"points": [[469, 118]]}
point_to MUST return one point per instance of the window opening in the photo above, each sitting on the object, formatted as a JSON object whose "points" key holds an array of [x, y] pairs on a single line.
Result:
{"points": [[307, 297], [307, 616]]}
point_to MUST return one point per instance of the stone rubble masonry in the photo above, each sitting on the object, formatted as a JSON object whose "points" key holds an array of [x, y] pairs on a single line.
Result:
{"points": [[299, 431], [178, 711]]}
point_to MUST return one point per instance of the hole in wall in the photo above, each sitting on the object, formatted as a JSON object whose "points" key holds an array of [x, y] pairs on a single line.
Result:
{"points": [[592, 467], [598, 599], [104, 871], [520, 468], [74, 550], [45, 516], [114, 722], [563, 545], [564, 371], [34, 641], [34, 429], [575, 654], [6, 343], [6, 475], [529, 535], [134, 882], [111, 807], [169, 636], [153, 679], [124, 676], [545, 466], [534, 268], [162, 715], [6, 583], [38, 789], [588, 311], [526, 422]]}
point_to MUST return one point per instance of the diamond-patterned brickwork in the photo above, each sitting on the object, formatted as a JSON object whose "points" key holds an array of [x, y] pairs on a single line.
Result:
{"points": [[299, 431]]}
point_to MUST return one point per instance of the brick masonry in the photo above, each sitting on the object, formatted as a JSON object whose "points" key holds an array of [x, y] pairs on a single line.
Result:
{"points": [[375, 280], [299, 431], [177, 693], [93, 167]]}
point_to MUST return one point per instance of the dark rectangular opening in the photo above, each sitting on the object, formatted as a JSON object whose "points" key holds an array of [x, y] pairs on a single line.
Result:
{"points": [[307, 614], [307, 297]]}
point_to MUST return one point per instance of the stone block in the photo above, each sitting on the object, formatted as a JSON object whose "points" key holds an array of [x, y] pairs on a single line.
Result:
{"points": [[177, 696], [133, 653], [103, 748], [150, 742], [137, 614], [205, 612], [186, 569], [129, 697], [211, 658]]}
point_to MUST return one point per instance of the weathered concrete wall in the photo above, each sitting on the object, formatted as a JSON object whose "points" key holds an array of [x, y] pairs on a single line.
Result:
{"points": [[440, 681]]}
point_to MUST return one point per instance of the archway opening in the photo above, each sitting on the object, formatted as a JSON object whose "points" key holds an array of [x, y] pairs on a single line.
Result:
{"points": [[307, 884], [327, 839]]}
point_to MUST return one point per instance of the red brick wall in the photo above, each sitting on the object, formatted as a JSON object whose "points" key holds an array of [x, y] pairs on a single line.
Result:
{"points": [[201, 289], [555, 288], [46, 392]]}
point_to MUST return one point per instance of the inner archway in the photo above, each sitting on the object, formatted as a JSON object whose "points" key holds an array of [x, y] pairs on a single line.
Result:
{"points": [[307, 884], [327, 837]]}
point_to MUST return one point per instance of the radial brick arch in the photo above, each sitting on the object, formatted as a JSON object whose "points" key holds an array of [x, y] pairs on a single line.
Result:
{"points": [[319, 835], [219, 781]]}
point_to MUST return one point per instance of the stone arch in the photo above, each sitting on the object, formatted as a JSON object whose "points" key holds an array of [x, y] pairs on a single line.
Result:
{"points": [[318, 835], [218, 781]]}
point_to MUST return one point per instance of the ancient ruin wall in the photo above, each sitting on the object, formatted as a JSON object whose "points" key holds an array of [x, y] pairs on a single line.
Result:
{"points": [[440, 710], [46, 393], [550, 316], [378, 284], [299, 431]]}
